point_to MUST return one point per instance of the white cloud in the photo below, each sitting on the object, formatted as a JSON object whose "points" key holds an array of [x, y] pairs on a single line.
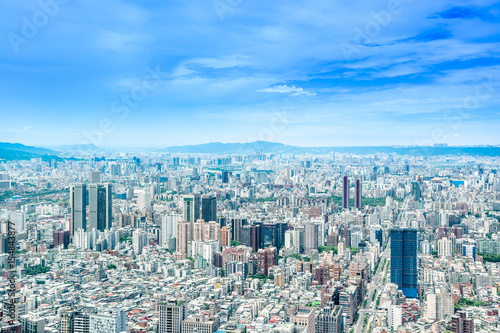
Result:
{"points": [[284, 89]]}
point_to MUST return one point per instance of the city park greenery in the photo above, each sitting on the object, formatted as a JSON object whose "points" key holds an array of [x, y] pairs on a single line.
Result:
{"points": [[487, 257], [37, 269]]}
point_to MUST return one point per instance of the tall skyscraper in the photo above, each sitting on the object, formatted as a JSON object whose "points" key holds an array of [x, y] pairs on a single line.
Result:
{"points": [[78, 203], [169, 227], [172, 314], [345, 192], [191, 210], [416, 190], [357, 200], [236, 226], [209, 208], [310, 237], [250, 236], [225, 177], [100, 207], [95, 177], [183, 236], [266, 259], [404, 260], [139, 240], [269, 234]]}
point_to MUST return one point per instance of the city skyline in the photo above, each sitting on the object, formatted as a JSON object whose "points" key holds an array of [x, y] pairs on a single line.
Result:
{"points": [[370, 73]]}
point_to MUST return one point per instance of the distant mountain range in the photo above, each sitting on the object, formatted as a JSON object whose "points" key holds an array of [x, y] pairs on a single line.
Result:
{"points": [[279, 148], [17, 151], [238, 148]]}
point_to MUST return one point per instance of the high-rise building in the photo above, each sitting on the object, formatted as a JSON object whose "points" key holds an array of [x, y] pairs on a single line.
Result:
{"points": [[81, 322], [116, 169], [310, 237], [357, 200], [172, 314], [78, 203], [111, 321], [95, 177], [416, 191], [236, 227], [225, 177], [345, 192], [394, 317], [250, 236], [329, 320], [139, 240], [224, 237], [209, 208], [404, 260], [266, 258], [61, 237], [439, 304], [461, 324], [66, 322], [144, 200], [191, 209], [183, 236], [169, 227], [376, 234], [445, 247], [100, 207]]}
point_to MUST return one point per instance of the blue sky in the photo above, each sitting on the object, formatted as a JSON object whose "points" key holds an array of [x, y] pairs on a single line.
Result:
{"points": [[308, 73]]}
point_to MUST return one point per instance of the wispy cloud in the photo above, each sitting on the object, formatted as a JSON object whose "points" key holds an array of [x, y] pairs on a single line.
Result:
{"points": [[284, 89]]}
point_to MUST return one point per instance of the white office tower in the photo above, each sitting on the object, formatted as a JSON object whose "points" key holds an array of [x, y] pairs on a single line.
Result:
{"points": [[95, 177], [139, 240], [340, 249], [394, 317], [426, 247], [444, 247], [205, 249], [440, 304], [144, 200], [111, 321], [169, 227], [81, 239], [17, 217], [288, 239], [321, 230], [112, 238], [356, 238]]}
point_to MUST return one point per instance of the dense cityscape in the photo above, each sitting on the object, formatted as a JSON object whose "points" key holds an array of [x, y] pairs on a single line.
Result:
{"points": [[251, 243]]}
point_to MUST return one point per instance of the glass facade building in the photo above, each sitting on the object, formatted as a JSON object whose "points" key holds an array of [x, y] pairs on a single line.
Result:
{"points": [[404, 271]]}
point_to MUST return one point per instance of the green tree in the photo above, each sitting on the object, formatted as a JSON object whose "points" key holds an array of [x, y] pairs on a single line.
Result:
{"points": [[235, 243], [322, 249]]}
